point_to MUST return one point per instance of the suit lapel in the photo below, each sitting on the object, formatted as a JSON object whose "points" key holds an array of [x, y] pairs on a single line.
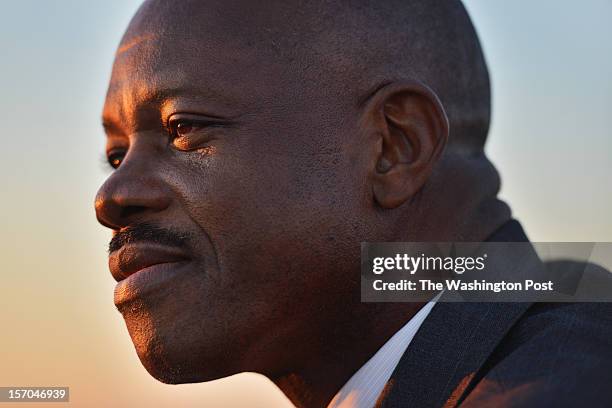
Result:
{"points": [[452, 344]]}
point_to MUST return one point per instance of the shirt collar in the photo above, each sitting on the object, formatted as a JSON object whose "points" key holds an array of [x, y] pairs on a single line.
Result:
{"points": [[365, 386]]}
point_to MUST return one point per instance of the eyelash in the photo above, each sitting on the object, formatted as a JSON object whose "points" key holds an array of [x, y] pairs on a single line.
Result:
{"points": [[105, 163]]}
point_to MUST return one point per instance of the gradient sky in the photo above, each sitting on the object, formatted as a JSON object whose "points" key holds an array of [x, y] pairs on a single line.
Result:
{"points": [[551, 67]]}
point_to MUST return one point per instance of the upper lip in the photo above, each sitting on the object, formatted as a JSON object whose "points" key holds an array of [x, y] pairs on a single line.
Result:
{"points": [[133, 257]]}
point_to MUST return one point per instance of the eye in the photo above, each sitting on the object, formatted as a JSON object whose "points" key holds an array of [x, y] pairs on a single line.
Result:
{"points": [[185, 127], [187, 133], [115, 158]]}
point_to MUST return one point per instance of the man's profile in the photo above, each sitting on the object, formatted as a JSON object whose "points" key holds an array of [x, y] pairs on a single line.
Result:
{"points": [[257, 145]]}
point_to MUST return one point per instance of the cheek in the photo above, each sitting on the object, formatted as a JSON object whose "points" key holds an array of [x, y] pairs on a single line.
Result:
{"points": [[277, 218], [251, 195]]}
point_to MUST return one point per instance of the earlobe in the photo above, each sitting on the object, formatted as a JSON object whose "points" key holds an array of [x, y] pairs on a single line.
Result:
{"points": [[413, 130]]}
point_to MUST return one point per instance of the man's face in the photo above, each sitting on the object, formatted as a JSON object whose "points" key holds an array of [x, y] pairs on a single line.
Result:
{"points": [[253, 183]]}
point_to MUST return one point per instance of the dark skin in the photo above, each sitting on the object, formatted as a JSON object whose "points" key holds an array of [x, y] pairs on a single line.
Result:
{"points": [[275, 180]]}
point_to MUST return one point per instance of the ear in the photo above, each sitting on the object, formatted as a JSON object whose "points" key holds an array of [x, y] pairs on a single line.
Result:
{"points": [[411, 130]]}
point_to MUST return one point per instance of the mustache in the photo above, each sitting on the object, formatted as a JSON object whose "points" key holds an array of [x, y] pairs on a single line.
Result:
{"points": [[145, 232]]}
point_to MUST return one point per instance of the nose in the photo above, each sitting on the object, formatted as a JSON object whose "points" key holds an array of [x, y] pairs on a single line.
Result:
{"points": [[131, 194]]}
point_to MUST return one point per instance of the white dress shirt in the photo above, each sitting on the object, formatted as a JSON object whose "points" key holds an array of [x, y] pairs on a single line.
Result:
{"points": [[365, 386]]}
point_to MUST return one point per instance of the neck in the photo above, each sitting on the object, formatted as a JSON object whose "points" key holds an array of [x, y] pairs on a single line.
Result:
{"points": [[343, 352], [459, 203], [468, 211]]}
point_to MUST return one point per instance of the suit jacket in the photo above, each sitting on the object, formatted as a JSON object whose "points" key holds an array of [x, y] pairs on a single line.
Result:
{"points": [[507, 354]]}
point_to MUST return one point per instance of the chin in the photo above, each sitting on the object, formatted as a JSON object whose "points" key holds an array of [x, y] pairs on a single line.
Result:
{"points": [[175, 349], [158, 368], [177, 360]]}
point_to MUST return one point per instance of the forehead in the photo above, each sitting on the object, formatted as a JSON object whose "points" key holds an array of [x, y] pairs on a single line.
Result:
{"points": [[151, 67], [167, 52], [230, 58]]}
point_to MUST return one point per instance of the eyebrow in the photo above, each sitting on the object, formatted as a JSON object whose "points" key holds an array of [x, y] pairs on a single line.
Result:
{"points": [[158, 97], [110, 126]]}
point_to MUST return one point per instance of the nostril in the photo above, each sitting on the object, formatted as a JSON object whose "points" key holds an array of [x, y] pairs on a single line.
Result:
{"points": [[131, 210]]}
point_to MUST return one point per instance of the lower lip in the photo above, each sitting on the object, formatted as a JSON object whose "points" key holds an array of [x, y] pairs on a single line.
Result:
{"points": [[146, 280]]}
